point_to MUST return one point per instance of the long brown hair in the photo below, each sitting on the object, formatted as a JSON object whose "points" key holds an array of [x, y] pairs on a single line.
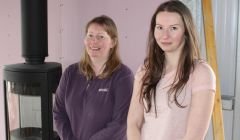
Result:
{"points": [[114, 60], [154, 63]]}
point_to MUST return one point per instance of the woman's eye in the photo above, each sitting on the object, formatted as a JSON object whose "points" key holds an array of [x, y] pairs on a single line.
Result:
{"points": [[101, 37], [89, 35], [159, 27], [173, 28]]}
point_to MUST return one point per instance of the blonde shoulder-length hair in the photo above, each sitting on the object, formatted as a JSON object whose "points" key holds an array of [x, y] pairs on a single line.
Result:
{"points": [[113, 61]]}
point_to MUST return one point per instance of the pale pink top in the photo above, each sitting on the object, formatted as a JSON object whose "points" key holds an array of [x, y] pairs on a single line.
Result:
{"points": [[171, 121]]}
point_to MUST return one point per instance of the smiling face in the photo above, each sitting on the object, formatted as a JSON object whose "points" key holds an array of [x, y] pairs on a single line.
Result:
{"points": [[98, 43], [169, 32]]}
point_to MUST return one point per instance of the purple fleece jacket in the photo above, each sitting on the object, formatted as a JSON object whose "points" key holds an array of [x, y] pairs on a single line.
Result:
{"points": [[92, 109]]}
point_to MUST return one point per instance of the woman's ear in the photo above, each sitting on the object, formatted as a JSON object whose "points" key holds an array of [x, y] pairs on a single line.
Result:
{"points": [[114, 42]]}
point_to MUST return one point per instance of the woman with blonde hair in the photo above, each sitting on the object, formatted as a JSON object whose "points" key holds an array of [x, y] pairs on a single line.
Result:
{"points": [[93, 96]]}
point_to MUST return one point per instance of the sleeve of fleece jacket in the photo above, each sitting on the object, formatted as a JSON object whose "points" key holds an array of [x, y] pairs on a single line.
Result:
{"points": [[60, 116], [116, 129]]}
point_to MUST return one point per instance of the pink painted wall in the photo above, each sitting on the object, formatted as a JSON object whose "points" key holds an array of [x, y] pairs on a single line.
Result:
{"points": [[132, 19], [67, 21], [10, 45]]}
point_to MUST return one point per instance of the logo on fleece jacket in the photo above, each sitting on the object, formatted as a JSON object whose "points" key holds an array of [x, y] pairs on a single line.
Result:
{"points": [[103, 90]]}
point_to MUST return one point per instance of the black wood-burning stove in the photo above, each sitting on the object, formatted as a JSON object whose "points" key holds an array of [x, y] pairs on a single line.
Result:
{"points": [[28, 93], [29, 86]]}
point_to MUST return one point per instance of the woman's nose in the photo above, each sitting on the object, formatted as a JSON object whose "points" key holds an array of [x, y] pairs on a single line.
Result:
{"points": [[165, 33]]}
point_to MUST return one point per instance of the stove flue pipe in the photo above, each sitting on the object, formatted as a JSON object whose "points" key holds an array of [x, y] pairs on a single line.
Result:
{"points": [[34, 31]]}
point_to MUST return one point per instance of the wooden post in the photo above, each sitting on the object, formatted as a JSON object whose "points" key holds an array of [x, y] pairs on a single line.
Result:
{"points": [[217, 117]]}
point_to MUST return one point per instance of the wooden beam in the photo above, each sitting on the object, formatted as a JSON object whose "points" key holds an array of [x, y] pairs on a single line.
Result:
{"points": [[217, 117]]}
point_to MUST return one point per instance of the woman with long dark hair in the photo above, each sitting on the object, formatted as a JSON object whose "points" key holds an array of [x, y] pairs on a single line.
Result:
{"points": [[174, 90]]}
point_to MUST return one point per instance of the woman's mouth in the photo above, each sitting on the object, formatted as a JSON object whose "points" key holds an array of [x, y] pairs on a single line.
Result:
{"points": [[94, 48]]}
